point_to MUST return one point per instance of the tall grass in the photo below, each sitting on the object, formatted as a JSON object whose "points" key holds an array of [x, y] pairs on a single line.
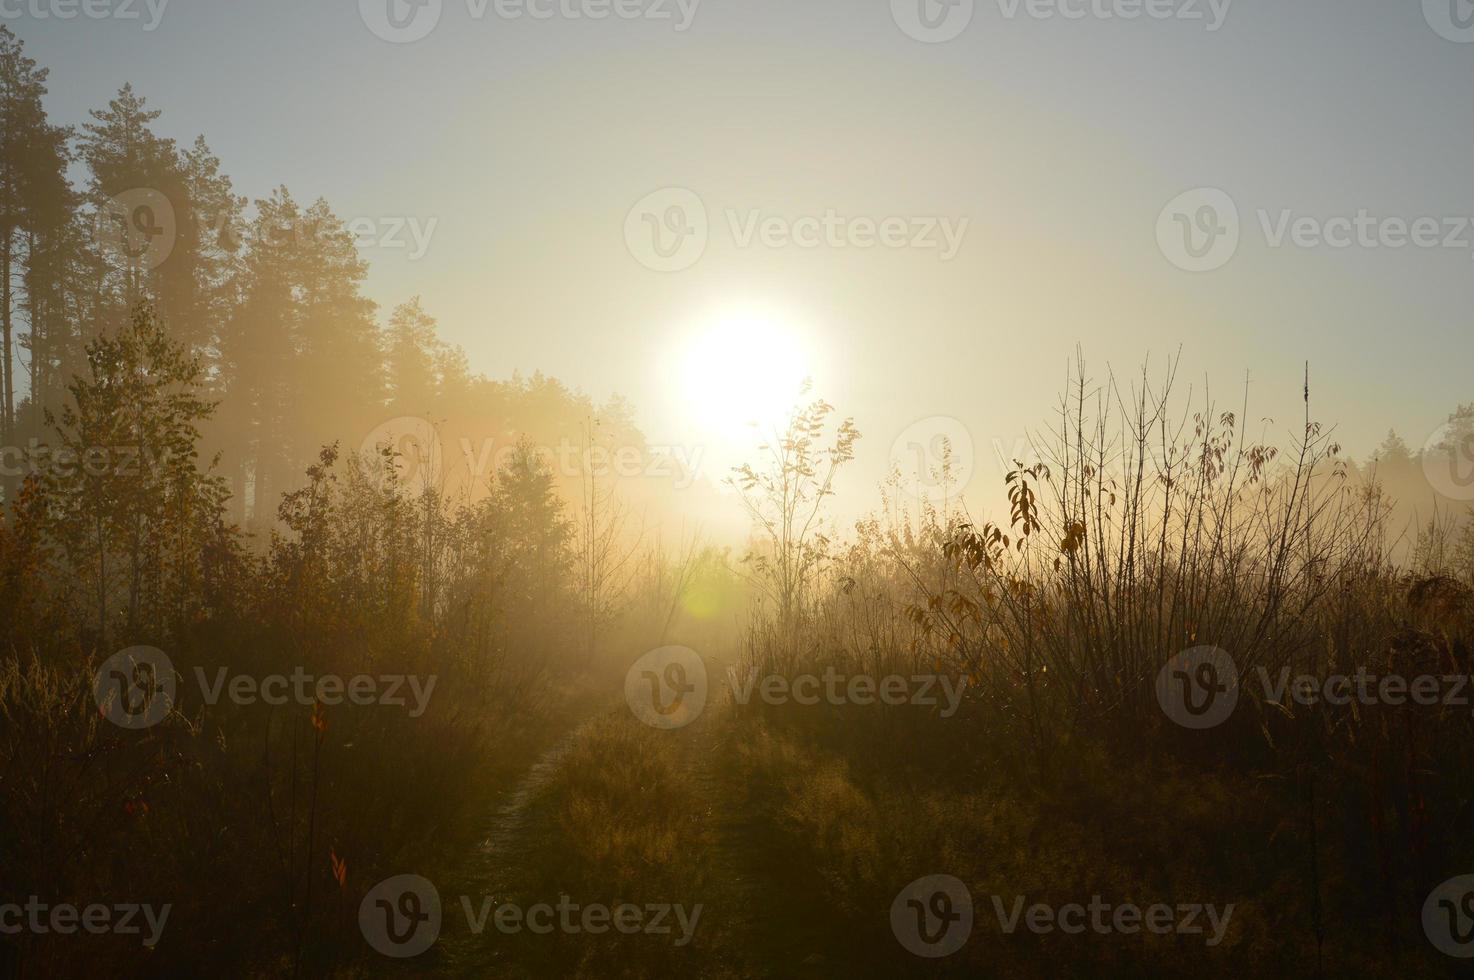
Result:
{"points": [[1140, 527]]}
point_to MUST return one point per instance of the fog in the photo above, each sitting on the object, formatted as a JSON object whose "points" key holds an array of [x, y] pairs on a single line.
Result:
{"points": [[677, 488]]}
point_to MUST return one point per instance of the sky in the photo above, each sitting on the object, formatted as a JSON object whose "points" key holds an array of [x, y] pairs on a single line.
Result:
{"points": [[1071, 150]]}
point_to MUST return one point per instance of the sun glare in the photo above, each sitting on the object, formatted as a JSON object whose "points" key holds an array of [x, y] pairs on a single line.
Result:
{"points": [[743, 368]]}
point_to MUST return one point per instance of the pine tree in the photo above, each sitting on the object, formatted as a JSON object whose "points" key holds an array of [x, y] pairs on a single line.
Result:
{"points": [[337, 377], [36, 206], [536, 534], [135, 190], [300, 364], [411, 354], [256, 349]]}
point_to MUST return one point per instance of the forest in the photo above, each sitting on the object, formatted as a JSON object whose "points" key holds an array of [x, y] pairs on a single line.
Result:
{"points": [[323, 654]]}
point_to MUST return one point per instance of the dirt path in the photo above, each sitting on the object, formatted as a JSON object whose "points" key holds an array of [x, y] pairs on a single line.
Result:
{"points": [[492, 868], [759, 910]]}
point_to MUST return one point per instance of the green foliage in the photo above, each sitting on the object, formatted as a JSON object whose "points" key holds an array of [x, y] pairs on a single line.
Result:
{"points": [[128, 507]]}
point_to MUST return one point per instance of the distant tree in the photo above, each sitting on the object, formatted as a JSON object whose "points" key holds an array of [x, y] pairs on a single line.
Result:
{"points": [[299, 358], [24, 566], [535, 533], [54, 298], [452, 372], [1459, 435], [36, 206], [124, 157], [605, 546], [785, 494], [218, 233], [256, 349], [411, 351], [337, 375], [128, 501], [1393, 450]]}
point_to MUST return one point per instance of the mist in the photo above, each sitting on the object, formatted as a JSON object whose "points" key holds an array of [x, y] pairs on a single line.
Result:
{"points": [[649, 488]]}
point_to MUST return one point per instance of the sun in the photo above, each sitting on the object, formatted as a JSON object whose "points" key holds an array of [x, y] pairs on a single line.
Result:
{"points": [[743, 368]]}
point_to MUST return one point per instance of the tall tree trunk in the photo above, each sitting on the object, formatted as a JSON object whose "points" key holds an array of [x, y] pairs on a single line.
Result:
{"points": [[7, 369]]}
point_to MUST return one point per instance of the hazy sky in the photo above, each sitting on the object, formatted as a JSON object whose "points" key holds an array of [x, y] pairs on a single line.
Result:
{"points": [[1058, 139]]}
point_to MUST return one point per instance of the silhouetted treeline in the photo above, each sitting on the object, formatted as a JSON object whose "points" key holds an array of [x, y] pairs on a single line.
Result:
{"points": [[268, 297]]}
